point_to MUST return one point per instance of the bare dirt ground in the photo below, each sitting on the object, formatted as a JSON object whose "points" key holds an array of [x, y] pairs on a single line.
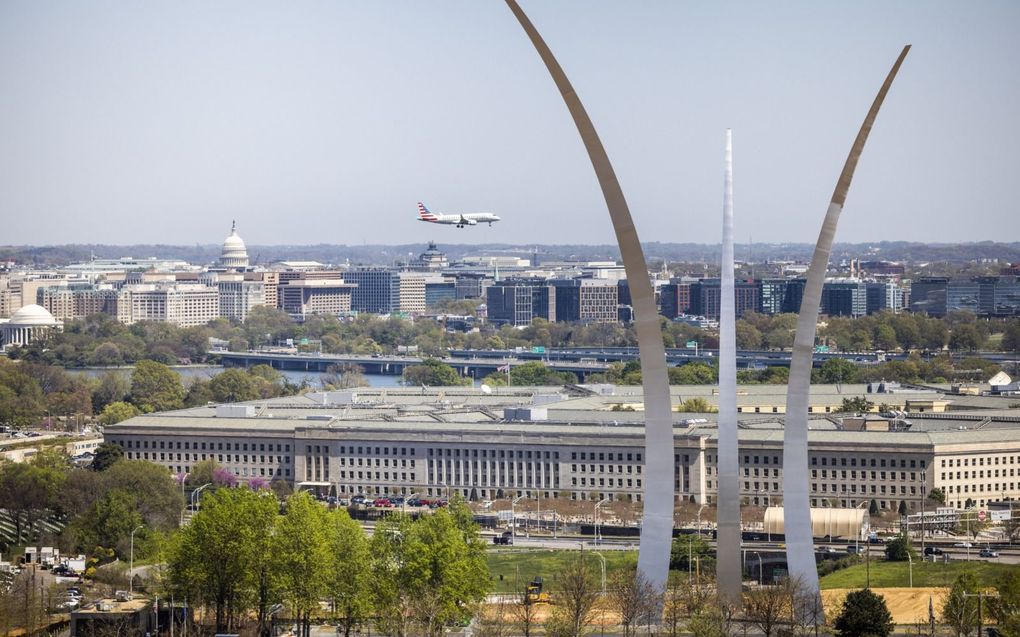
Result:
{"points": [[907, 605]]}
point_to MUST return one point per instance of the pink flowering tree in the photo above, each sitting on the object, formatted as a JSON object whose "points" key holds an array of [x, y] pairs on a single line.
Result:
{"points": [[223, 477], [258, 484]]}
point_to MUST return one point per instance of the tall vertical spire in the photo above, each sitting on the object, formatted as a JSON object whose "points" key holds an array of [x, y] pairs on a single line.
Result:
{"points": [[728, 567]]}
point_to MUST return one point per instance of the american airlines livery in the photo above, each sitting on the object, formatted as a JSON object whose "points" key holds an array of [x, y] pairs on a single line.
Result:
{"points": [[459, 220]]}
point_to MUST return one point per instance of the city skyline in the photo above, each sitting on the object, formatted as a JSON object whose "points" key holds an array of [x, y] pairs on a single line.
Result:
{"points": [[161, 124]]}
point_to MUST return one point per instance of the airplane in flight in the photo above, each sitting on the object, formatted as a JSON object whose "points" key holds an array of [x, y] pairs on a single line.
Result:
{"points": [[459, 220]]}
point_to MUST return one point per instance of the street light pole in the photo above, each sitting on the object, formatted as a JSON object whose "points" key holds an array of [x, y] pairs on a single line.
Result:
{"points": [[196, 502], [131, 567], [761, 569], [513, 516], [910, 567], [597, 505]]}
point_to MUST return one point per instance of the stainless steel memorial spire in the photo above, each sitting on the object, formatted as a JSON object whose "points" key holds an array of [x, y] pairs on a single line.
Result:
{"points": [[800, 555], [657, 520], [728, 568]]}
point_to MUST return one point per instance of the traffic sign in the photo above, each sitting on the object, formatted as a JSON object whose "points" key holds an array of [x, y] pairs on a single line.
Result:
{"points": [[981, 516]]}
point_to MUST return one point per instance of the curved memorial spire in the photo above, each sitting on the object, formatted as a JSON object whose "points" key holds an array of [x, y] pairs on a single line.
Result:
{"points": [[728, 568], [800, 555], [657, 521]]}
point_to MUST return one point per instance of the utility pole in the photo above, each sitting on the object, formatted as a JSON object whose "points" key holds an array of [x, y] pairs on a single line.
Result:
{"points": [[980, 596]]}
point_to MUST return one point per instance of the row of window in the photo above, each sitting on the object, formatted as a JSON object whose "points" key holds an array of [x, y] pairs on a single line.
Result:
{"points": [[977, 462], [202, 446], [977, 474]]}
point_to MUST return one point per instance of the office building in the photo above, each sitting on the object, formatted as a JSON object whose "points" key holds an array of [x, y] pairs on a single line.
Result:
{"points": [[844, 297], [582, 449], [303, 296], [517, 303], [185, 305]]}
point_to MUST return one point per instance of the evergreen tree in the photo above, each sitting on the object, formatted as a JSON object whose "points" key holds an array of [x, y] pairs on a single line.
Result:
{"points": [[864, 614]]}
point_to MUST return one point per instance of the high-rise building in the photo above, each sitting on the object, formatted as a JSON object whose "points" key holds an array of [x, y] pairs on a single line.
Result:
{"points": [[238, 295], [69, 302], [303, 296], [186, 305], [439, 288], [844, 297], [883, 297], [385, 291], [780, 296], [586, 301], [706, 294], [674, 299], [378, 290], [518, 303]]}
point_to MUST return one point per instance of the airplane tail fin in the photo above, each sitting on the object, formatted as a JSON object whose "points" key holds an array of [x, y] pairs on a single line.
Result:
{"points": [[424, 214]]}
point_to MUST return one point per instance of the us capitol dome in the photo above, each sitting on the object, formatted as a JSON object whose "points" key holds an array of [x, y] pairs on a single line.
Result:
{"points": [[235, 254]]}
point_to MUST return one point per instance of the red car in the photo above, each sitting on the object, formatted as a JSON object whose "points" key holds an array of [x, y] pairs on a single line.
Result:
{"points": [[382, 502]]}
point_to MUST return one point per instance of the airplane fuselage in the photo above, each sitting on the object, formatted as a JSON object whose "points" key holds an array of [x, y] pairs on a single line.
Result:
{"points": [[459, 220]]}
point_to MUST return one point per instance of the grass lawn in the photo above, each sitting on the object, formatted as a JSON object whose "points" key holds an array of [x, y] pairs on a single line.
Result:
{"points": [[521, 565], [896, 574]]}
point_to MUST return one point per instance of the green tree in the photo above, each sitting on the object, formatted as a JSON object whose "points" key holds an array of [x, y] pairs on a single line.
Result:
{"points": [[838, 370], [937, 495], [118, 412], [29, 491], [693, 374], [21, 397], [902, 510], [959, 610], [106, 454], [967, 338], [158, 494], [873, 509], [156, 387], [855, 405], [696, 405], [1005, 608], [864, 614], [690, 546], [349, 581], [1011, 337], [232, 386], [302, 556], [216, 560], [747, 335], [432, 571], [112, 387], [432, 373], [108, 522], [899, 549], [885, 337]]}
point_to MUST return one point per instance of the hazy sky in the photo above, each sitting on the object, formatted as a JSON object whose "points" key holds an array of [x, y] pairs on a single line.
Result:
{"points": [[324, 122]]}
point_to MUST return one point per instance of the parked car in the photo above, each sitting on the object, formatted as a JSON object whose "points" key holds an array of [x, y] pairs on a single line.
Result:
{"points": [[506, 538], [933, 550], [854, 550], [989, 553], [358, 499], [382, 502]]}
